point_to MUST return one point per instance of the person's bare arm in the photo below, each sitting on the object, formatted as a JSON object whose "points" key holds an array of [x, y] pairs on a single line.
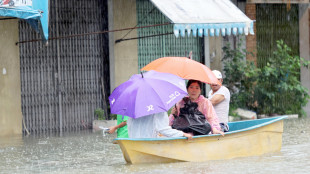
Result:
{"points": [[114, 128], [188, 136], [216, 99], [215, 131]]}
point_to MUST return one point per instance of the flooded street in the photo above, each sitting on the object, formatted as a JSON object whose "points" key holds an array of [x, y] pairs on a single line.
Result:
{"points": [[91, 152]]}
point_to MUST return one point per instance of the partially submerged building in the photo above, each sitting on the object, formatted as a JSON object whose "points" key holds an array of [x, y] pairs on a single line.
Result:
{"points": [[96, 45]]}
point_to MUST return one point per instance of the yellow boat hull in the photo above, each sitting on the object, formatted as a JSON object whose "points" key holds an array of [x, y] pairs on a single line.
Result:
{"points": [[253, 141]]}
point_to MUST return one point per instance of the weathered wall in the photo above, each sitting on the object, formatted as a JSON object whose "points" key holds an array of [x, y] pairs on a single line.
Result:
{"points": [[123, 55], [10, 94], [215, 49]]}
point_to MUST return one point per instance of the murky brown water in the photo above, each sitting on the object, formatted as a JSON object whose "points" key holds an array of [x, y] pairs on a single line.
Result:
{"points": [[88, 152]]}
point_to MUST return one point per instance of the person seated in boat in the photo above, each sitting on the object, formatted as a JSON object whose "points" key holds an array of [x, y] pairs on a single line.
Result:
{"points": [[120, 127], [219, 96], [198, 107], [153, 126]]}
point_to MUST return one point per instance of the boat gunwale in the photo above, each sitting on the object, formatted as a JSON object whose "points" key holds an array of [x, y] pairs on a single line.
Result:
{"points": [[272, 120]]}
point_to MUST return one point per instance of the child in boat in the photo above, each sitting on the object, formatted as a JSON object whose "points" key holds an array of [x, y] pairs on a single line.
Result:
{"points": [[121, 127]]}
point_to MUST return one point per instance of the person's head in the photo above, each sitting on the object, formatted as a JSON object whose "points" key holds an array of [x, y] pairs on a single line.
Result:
{"points": [[193, 89], [219, 76]]}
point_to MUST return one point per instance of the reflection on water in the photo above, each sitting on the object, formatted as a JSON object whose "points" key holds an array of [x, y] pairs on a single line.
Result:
{"points": [[89, 152]]}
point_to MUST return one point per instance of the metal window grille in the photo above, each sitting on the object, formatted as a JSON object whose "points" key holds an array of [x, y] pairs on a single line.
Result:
{"points": [[275, 22], [151, 48], [61, 83]]}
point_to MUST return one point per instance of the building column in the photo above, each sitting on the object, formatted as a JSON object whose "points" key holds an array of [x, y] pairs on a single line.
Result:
{"points": [[304, 47], [123, 55], [10, 87], [250, 11], [207, 59]]}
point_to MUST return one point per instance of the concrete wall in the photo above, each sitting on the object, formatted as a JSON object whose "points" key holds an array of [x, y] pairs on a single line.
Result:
{"points": [[123, 55], [10, 90], [216, 52], [304, 46]]}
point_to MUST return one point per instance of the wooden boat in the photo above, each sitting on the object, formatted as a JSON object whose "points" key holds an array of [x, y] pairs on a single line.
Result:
{"points": [[245, 138]]}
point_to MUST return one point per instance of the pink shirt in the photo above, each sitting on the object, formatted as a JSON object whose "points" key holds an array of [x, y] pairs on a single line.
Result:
{"points": [[205, 107]]}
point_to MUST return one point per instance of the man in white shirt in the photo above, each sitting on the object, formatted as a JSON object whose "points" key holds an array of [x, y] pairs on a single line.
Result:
{"points": [[219, 95]]}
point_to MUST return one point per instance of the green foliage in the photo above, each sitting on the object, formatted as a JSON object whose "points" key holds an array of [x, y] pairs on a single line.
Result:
{"points": [[275, 88], [113, 116], [234, 66], [279, 83], [99, 113], [240, 76]]}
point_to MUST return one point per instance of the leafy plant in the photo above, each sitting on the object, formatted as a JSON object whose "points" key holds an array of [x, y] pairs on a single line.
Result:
{"points": [[279, 83], [113, 116], [273, 89], [99, 113], [240, 76]]}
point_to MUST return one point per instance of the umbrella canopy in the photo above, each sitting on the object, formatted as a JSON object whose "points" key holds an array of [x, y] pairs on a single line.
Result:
{"points": [[148, 93], [183, 67]]}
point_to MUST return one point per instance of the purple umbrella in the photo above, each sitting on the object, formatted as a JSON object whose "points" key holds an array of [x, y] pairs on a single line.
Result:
{"points": [[148, 93]]}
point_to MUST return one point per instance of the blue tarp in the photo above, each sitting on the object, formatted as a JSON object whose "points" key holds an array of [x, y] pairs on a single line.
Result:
{"points": [[205, 17], [35, 12]]}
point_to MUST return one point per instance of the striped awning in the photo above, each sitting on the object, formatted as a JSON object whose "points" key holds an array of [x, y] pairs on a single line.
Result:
{"points": [[205, 17]]}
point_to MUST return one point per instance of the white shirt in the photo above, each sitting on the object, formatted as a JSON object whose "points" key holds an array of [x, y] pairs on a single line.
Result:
{"points": [[221, 108], [150, 126]]}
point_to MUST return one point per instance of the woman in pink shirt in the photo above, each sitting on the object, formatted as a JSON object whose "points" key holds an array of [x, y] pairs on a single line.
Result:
{"points": [[204, 106]]}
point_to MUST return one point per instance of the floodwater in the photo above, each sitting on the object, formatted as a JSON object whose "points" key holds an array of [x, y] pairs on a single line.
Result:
{"points": [[92, 152]]}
